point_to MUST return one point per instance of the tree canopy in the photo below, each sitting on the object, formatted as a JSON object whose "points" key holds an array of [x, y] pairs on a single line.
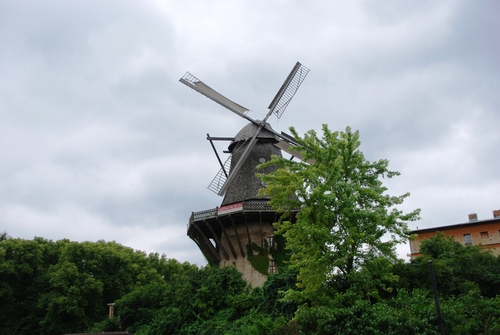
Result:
{"points": [[346, 218], [49, 287]]}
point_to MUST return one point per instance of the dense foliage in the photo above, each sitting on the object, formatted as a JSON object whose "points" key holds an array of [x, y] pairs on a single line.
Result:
{"points": [[63, 287], [60, 287]]}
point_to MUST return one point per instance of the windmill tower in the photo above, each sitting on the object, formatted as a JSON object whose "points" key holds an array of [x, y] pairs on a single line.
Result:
{"points": [[240, 231]]}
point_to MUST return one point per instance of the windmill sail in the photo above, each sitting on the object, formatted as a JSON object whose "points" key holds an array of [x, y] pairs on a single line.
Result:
{"points": [[288, 89], [191, 81], [288, 148]]}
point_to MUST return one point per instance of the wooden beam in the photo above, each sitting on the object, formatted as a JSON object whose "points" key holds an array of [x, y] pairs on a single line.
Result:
{"points": [[209, 246], [248, 233], [238, 238], [227, 238], [217, 241]]}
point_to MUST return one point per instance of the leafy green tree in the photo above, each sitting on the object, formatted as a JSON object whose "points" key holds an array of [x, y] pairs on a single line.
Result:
{"points": [[23, 277], [60, 287], [4, 236], [185, 295], [454, 265], [86, 277], [72, 301], [406, 313], [342, 241], [346, 219], [274, 288], [471, 313]]}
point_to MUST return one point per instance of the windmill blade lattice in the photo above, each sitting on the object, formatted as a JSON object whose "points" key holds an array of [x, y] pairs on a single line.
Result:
{"points": [[221, 177], [288, 89]]}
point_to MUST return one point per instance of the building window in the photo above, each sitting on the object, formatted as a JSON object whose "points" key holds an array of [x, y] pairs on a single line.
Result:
{"points": [[467, 239], [272, 266], [484, 234]]}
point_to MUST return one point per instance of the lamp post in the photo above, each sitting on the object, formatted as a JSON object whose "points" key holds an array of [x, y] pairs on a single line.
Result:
{"points": [[436, 298]]}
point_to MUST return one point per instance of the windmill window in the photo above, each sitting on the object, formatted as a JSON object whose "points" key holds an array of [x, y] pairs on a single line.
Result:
{"points": [[270, 242], [467, 239], [484, 234], [272, 266]]}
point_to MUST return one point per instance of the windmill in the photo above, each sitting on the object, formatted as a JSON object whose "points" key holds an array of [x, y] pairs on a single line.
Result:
{"points": [[277, 107], [223, 232]]}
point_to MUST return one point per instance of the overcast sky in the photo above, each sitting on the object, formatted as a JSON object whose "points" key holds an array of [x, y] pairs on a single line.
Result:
{"points": [[99, 140]]}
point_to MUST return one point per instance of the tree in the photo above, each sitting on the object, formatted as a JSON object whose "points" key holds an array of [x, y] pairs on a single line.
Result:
{"points": [[190, 301], [454, 266], [346, 219], [23, 276], [60, 287], [273, 289]]}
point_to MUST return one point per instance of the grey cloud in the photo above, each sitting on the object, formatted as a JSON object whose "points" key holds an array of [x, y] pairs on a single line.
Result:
{"points": [[102, 141]]}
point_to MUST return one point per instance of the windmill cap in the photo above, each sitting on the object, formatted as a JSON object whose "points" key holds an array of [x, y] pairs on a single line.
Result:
{"points": [[247, 132]]}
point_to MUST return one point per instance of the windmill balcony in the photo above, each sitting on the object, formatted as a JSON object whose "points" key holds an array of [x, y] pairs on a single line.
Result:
{"points": [[223, 233]]}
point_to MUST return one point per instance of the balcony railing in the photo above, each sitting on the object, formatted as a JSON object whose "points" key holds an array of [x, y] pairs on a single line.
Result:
{"points": [[248, 205]]}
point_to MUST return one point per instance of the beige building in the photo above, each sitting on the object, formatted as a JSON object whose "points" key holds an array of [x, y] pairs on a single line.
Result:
{"points": [[485, 233]]}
